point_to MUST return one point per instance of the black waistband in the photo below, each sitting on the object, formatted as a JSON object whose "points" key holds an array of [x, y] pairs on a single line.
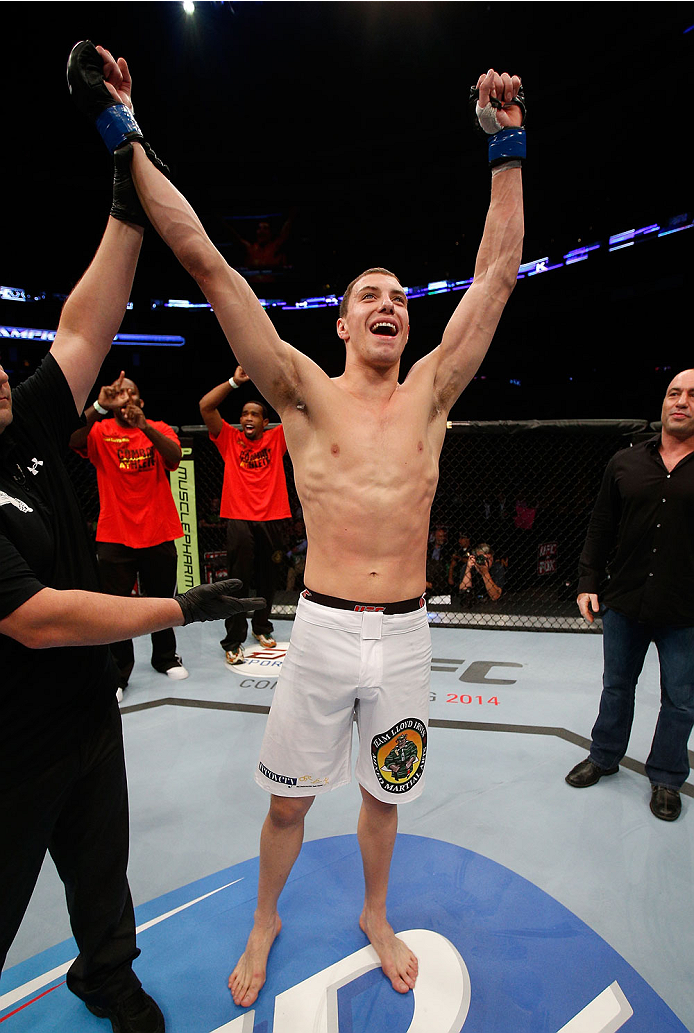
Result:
{"points": [[404, 606]]}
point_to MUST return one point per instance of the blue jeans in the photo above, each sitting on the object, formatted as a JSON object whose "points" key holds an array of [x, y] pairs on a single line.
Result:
{"points": [[625, 644]]}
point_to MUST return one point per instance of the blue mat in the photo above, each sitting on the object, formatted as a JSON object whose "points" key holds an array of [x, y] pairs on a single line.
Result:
{"points": [[518, 960]]}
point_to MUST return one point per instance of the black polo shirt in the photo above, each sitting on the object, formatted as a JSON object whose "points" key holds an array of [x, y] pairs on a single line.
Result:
{"points": [[47, 696], [641, 533]]}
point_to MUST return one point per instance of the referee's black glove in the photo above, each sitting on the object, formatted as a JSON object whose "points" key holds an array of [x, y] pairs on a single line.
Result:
{"points": [[215, 602]]}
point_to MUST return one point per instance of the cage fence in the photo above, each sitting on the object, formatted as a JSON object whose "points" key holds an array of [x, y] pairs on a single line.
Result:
{"points": [[516, 496]]}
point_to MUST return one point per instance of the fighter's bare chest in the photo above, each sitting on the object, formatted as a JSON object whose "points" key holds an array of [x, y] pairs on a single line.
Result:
{"points": [[368, 438]]}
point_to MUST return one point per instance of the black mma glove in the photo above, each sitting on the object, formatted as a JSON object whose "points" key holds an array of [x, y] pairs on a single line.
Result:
{"points": [[490, 125], [215, 602], [506, 144], [115, 122], [85, 79]]}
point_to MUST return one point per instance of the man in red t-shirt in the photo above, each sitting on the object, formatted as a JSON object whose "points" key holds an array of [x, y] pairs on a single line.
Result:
{"points": [[138, 520], [255, 504]]}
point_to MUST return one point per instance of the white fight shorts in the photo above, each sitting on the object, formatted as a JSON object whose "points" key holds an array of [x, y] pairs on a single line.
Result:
{"points": [[341, 662]]}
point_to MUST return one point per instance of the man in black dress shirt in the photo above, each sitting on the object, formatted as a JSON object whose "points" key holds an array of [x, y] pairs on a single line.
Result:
{"points": [[643, 524]]}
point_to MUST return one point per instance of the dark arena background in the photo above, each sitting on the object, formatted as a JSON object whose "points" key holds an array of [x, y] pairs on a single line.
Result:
{"points": [[344, 130]]}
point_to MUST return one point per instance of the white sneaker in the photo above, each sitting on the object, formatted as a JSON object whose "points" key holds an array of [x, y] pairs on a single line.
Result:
{"points": [[266, 641], [177, 673], [234, 656]]}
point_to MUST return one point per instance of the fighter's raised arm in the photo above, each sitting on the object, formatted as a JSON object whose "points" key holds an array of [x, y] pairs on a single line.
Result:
{"points": [[271, 363], [469, 332]]}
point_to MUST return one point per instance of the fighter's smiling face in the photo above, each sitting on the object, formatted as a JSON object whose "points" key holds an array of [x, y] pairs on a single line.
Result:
{"points": [[376, 325], [253, 422]]}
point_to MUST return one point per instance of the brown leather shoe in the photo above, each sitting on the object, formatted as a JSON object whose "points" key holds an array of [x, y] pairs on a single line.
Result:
{"points": [[587, 774], [665, 802]]}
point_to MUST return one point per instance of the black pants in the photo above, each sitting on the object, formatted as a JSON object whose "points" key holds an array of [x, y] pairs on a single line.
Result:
{"points": [[251, 545], [119, 565], [77, 809]]}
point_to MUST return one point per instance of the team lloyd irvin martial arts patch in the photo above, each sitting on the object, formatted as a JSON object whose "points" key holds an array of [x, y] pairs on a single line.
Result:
{"points": [[398, 755]]}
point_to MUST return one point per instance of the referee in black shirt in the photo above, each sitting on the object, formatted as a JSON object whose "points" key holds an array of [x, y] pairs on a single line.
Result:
{"points": [[641, 534], [62, 768]]}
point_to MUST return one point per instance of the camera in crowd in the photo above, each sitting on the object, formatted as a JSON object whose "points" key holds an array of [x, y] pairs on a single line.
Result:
{"points": [[481, 559]]}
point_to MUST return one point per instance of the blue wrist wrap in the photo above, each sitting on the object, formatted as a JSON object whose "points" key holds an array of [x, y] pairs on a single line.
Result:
{"points": [[507, 143], [115, 125]]}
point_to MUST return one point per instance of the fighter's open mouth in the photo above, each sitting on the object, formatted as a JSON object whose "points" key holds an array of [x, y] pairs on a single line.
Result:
{"points": [[384, 329]]}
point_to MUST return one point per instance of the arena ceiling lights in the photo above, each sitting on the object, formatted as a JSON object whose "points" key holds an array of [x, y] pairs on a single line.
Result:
{"points": [[616, 242]]}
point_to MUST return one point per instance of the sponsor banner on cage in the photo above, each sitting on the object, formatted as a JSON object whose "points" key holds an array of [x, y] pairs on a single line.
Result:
{"points": [[183, 490], [547, 558]]}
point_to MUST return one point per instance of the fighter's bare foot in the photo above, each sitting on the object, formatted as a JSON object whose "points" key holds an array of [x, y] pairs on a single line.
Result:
{"points": [[247, 979], [397, 960]]}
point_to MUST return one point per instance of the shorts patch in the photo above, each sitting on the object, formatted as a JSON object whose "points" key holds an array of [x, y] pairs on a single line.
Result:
{"points": [[398, 755]]}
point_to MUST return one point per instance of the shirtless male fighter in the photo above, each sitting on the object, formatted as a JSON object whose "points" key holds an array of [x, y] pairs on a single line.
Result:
{"points": [[365, 450]]}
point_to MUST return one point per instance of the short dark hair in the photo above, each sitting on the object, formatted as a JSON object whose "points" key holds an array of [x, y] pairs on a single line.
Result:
{"points": [[350, 286], [262, 405]]}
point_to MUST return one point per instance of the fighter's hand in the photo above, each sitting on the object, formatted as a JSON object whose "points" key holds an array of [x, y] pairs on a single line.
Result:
{"points": [[240, 376], [215, 602], [587, 601], [114, 396], [117, 77], [502, 88]]}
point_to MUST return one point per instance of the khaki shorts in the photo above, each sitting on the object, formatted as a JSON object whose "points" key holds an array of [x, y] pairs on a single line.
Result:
{"points": [[340, 663]]}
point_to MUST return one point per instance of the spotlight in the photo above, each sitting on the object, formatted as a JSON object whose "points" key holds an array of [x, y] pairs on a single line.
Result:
{"points": [[189, 6]]}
